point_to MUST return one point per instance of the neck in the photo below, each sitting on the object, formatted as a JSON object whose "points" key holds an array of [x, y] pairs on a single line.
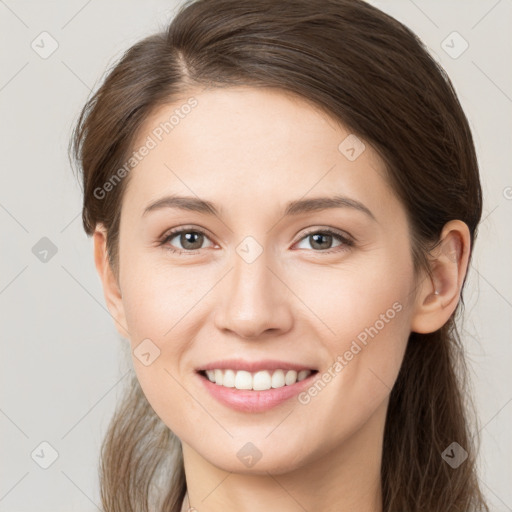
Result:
{"points": [[342, 479]]}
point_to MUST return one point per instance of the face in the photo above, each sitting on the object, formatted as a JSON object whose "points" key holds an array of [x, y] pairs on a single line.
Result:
{"points": [[260, 285]]}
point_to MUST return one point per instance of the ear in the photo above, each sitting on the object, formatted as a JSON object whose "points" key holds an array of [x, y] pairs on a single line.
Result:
{"points": [[111, 289], [437, 297]]}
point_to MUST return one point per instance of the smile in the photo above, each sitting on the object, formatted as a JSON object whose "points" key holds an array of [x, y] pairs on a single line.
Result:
{"points": [[258, 381], [254, 386]]}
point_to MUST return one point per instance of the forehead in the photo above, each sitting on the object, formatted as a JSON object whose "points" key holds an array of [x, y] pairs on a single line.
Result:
{"points": [[247, 145]]}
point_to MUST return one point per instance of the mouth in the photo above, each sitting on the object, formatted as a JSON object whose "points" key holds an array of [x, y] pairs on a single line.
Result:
{"points": [[261, 380], [255, 387]]}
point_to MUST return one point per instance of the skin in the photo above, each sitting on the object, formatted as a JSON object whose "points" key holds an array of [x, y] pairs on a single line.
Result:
{"points": [[250, 151]]}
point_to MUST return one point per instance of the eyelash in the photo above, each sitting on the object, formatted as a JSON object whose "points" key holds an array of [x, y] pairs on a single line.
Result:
{"points": [[347, 242]]}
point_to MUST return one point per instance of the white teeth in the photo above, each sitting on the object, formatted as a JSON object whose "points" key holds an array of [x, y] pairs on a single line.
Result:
{"points": [[278, 379], [218, 376], [302, 375], [228, 379], [290, 377], [261, 381], [243, 380], [258, 381]]}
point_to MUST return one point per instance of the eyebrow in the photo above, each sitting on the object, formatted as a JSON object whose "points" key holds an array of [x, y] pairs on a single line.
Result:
{"points": [[296, 207]]}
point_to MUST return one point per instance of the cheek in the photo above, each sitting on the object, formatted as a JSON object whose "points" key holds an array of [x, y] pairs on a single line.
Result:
{"points": [[156, 295], [365, 311], [355, 299], [157, 309], [164, 308]]}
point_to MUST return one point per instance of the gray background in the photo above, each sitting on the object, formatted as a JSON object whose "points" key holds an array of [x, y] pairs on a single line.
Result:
{"points": [[62, 363]]}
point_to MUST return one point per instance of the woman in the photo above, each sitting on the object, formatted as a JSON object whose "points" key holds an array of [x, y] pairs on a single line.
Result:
{"points": [[284, 197]]}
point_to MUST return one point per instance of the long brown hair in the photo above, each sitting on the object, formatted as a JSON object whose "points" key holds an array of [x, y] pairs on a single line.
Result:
{"points": [[375, 76]]}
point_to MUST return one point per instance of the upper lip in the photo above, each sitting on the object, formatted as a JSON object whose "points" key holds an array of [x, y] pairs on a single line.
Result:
{"points": [[253, 366]]}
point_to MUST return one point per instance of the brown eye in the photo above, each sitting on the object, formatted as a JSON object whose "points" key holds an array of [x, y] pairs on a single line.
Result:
{"points": [[186, 240], [191, 240], [322, 240]]}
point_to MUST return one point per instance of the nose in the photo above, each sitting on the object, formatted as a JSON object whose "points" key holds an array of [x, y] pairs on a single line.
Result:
{"points": [[254, 301]]}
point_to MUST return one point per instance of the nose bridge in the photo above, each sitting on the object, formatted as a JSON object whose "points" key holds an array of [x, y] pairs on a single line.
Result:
{"points": [[254, 300]]}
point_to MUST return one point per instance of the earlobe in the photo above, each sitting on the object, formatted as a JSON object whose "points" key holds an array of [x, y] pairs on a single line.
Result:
{"points": [[439, 294], [111, 288]]}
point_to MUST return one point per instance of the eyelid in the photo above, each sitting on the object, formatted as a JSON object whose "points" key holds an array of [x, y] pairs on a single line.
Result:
{"points": [[325, 229], [179, 229]]}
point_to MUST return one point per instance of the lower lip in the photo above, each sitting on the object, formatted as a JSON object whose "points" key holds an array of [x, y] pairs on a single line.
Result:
{"points": [[244, 400]]}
